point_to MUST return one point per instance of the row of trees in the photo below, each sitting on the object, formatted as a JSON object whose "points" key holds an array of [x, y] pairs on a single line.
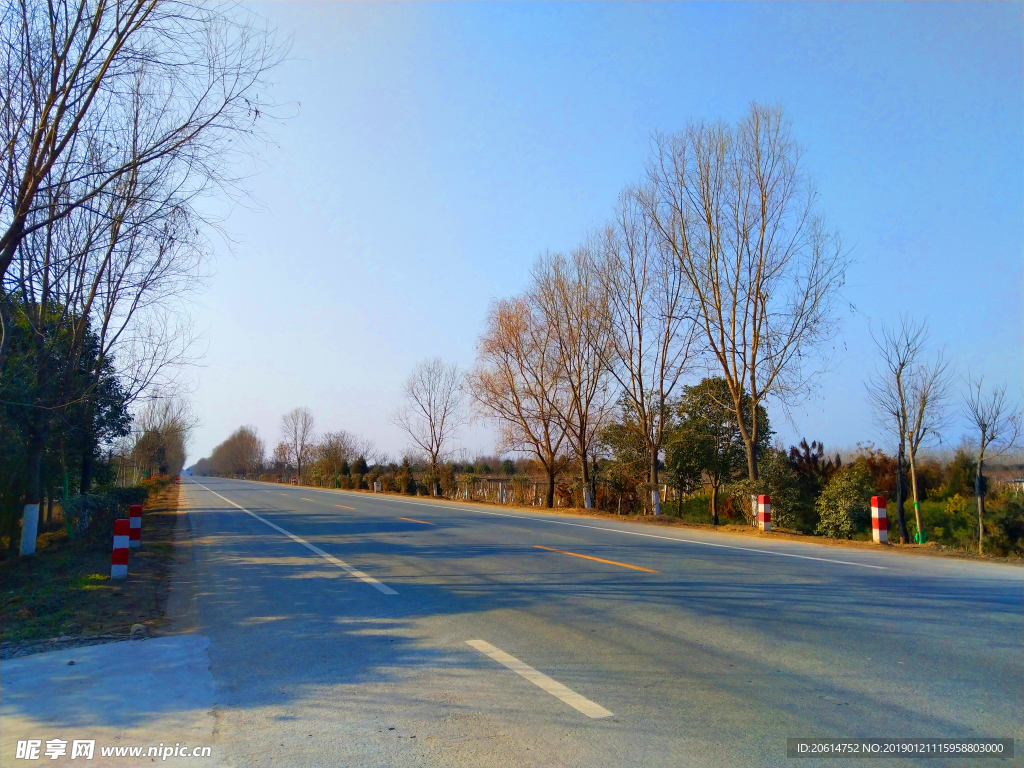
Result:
{"points": [[117, 120], [300, 451], [717, 264], [716, 268]]}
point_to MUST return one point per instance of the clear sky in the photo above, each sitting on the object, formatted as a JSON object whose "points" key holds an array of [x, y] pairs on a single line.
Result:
{"points": [[436, 150]]}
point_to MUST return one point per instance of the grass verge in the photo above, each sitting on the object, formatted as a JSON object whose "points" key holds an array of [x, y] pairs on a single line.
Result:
{"points": [[64, 590]]}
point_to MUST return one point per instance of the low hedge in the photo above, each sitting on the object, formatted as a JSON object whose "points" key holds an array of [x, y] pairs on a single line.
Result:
{"points": [[92, 515]]}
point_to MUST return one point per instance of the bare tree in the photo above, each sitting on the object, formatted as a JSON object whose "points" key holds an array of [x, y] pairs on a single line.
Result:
{"points": [[735, 208], [997, 426], [243, 452], [161, 434], [647, 299], [570, 298], [297, 433], [909, 395], [116, 117], [73, 76], [282, 456], [432, 410], [518, 382], [336, 449]]}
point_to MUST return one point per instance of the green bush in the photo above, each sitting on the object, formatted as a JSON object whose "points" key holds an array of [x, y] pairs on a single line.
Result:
{"points": [[777, 479], [844, 506], [93, 514]]}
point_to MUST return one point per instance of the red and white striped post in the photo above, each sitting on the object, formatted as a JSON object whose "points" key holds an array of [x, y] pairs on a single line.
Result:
{"points": [[119, 557], [135, 519], [879, 520], [764, 512]]}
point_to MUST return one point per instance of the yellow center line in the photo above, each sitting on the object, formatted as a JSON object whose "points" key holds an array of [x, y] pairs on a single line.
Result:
{"points": [[598, 559], [305, 499], [412, 520], [343, 506]]}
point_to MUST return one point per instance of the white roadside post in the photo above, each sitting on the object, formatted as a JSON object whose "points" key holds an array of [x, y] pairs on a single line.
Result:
{"points": [[879, 520], [764, 512], [29, 528]]}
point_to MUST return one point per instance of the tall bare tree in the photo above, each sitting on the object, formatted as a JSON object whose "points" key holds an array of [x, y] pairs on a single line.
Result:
{"points": [[648, 301], [909, 395], [297, 433], [518, 382], [736, 209], [72, 75], [568, 293], [105, 280], [116, 117], [432, 410], [997, 427]]}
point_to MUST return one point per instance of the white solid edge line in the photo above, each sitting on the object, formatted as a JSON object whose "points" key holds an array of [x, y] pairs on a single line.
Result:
{"points": [[311, 547], [615, 530], [542, 681]]}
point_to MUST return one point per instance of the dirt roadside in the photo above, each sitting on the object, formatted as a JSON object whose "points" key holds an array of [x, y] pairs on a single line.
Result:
{"points": [[63, 596]]}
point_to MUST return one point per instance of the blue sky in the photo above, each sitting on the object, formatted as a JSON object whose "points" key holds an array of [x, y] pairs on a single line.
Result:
{"points": [[436, 150]]}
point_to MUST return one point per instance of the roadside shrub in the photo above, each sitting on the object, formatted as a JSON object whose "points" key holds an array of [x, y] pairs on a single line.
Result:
{"points": [[1004, 526], [960, 473], [404, 479], [779, 481], [844, 506], [93, 514]]}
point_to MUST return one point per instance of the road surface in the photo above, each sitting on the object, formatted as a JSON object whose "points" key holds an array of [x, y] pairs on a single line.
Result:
{"points": [[358, 629]]}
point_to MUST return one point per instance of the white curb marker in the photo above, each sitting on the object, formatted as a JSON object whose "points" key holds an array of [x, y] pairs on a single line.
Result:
{"points": [[542, 681], [311, 547]]}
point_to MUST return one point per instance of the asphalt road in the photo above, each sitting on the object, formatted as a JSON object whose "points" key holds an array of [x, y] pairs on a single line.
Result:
{"points": [[355, 629]]}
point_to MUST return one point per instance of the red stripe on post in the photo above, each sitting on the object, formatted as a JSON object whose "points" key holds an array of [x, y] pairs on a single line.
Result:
{"points": [[879, 524], [122, 527], [119, 557], [135, 510]]}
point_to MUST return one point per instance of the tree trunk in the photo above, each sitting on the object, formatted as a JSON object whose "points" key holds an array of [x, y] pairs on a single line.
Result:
{"points": [[549, 502], [33, 493], [751, 449], [588, 499], [714, 505], [655, 495], [5, 336], [917, 504], [901, 495], [979, 494]]}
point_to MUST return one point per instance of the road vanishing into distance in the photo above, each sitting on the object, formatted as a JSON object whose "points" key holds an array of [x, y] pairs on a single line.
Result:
{"points": [[359, 629]]}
